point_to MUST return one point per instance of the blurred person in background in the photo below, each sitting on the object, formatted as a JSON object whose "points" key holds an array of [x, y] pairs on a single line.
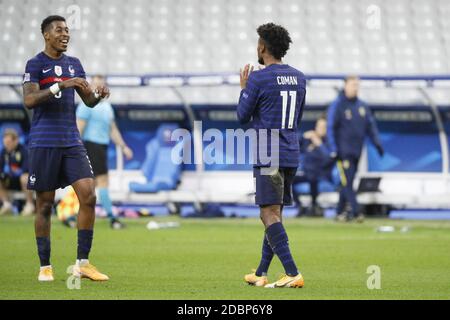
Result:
{"points": [[350, 121], [14, 173], [317, 164], [97, 127]]}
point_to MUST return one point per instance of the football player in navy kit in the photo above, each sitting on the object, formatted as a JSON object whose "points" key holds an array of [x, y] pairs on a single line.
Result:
{"points": [[57, 157]]}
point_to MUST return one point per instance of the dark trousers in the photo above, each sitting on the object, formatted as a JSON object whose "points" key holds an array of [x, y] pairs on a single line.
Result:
{"points": [[347, 170], [313, 189]]}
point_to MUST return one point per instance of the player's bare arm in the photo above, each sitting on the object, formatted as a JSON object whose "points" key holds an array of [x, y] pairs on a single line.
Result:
{"points": [[33, 95]]}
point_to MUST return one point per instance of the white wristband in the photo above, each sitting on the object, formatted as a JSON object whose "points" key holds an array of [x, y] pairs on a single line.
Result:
{"points": [[55, 89]]}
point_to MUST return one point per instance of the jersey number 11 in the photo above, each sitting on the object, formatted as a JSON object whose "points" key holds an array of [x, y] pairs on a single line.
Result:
{"points": [[285, 96]]}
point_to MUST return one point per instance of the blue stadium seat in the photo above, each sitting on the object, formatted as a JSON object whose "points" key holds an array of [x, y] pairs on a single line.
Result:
{"points": [[324, 184], [160, 171]]}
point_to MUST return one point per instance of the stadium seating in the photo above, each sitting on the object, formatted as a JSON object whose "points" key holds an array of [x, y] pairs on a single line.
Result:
{"points": [[160, 172], [330, 36], [324, 184]]}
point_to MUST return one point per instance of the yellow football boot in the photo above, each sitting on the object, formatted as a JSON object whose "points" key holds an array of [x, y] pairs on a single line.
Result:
{"points": [[46, 274], [288, 282], [254, 280], [87, 270]]}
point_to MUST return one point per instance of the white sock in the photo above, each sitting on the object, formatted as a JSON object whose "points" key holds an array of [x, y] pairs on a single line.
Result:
{"points": [[43, 267], [82, 262], [6, 204]]}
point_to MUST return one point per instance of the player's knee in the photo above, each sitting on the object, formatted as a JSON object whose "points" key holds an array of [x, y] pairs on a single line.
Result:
{"points": [[24, 179], [45, 208], [89, 200], [270, 215]]}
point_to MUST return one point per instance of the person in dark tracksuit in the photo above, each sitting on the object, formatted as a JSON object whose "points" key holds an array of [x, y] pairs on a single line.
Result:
{"points": [[350, 121], [316, 162]]}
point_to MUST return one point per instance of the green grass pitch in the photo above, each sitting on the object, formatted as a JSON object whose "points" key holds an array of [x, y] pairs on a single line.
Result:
{"points": [[207, 259]]}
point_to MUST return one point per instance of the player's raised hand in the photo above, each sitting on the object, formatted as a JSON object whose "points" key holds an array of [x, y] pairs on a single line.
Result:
{"points": [[244, 74], [102, 92], [78, 83]]}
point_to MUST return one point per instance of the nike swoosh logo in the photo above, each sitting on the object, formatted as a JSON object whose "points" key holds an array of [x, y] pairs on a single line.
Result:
{"points": [[45, 71], [284, 285]]}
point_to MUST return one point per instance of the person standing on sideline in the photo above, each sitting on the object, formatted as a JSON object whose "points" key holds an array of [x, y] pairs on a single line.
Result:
{"points": [[350, 121], [97, 127]]}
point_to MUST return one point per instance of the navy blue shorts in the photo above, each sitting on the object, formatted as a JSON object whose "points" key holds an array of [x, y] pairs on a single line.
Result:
{"points": [[54, 168], [276, 188]]}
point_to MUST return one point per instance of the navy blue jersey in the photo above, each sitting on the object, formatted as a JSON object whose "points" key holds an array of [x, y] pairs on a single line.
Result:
{"points": [[274, 99], [350, 121], [54, 121], [14, 163]]}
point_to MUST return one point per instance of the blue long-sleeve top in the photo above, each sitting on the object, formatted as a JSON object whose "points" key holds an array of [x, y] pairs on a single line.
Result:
{"points": [[350, 121], [274, 99]]}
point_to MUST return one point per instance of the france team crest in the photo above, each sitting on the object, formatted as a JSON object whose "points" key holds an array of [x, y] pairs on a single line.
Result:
{"points": [[58, 71]]}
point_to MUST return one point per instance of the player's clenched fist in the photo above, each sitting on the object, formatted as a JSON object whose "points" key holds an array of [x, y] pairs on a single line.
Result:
{"points": [[78, 83], [102, 92], [244, 74]]}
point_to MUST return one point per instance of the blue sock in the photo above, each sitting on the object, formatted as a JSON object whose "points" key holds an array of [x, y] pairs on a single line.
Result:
{"points": [[279, 242], [266, 258], [84, 243], [43, 246], [105, 201]]}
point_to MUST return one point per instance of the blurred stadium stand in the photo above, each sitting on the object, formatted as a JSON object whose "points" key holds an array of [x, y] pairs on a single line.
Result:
{"points": [[329, 36], [151, 51]]}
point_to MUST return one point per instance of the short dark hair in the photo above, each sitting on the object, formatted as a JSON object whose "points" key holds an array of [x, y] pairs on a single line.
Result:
{"points": [[276, 38], [48, 21]]}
